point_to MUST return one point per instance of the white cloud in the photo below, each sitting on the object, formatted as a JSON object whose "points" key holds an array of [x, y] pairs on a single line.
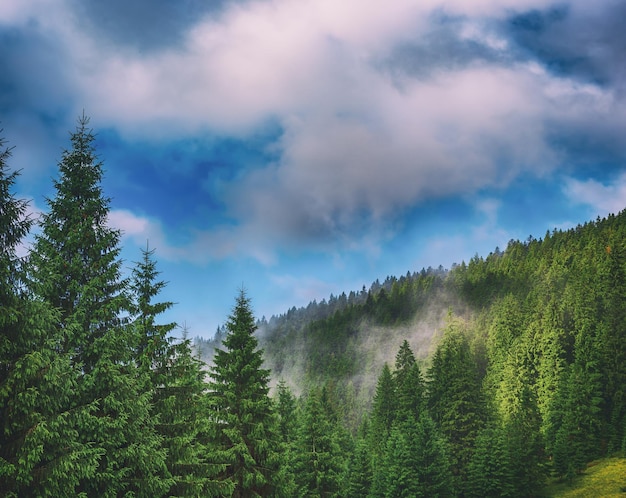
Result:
{"points": [[359, 145], [604, 199], [142, 230]]}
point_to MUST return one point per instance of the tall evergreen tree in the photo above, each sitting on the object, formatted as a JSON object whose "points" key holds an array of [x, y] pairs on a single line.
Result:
{"points": [[409, 384], [455, 396], [177, 381], [613, 336], [152, 338], [76, 268], [245, 422], [489, 472], [319, 463], [415, 463], [40, 454], [383, 414], [360, 474]]}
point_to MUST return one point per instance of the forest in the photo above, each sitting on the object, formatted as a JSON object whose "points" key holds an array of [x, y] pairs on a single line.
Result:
{"points": [[485, 380]]}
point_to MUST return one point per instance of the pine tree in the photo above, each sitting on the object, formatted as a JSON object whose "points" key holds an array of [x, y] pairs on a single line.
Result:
{"points": [[177, 382], [360, 474], [415, 462], [612, 337], [319, 463], [245, 423], [76, 268], [489, 472], [455, 397], [181, 406], [287, 411], [383, 414], [39, 450], [409, 384], [152, 338]]}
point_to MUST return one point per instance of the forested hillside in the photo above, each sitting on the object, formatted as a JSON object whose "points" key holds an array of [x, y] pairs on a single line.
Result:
{"points": [[521, 356], [484, 380]]}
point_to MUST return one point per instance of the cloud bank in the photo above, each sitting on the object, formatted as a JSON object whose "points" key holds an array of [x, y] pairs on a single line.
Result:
{"points": [[379, 106]]}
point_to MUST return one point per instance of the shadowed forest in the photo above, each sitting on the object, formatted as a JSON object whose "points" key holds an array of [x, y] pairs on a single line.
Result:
{"points": [[485, 380]]}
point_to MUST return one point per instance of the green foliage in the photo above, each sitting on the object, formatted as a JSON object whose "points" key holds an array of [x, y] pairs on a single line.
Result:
{"points": [[97, 399], [76, 268], [246, 430], [409, 386], [319, 461], [415, 463], [39, 449], [455, 396], [383, 415], [490, 472]]}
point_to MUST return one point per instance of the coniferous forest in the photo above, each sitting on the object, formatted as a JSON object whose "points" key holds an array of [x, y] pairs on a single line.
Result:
{"points": [[520, 381]]}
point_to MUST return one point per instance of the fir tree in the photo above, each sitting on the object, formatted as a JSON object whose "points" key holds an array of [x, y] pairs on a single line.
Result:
{"points": [[360, 474], [177, 381], [76, 268], [245, 423], [152, 338], [455, 397], [489, 472], [383, 414], [415, 463], [409, 384], [40, 454], [319, 465]]}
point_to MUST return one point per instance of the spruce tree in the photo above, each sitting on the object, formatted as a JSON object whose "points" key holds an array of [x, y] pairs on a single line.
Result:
{"points": [[409, 384], [76, 268], [383, 415], [181, 408], [39, 452], [359, 474], [489, 472], [319, 463], [415, 462], [246, 429], [177, 381], [152, 338], [455, 397]]}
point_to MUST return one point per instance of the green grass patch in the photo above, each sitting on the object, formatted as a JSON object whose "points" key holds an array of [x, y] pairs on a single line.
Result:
{"points": [[602, 479]]}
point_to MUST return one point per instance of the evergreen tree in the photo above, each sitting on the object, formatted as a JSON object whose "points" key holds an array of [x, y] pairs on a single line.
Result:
{"points": [[152, 338], [288, 429], [181, 406], [76, 268], [360, 475], [612, 336], [177, 381], [409, 384], [489, 472], [415, 463], [40, 454], [383, 415], [247, 435], [455, 397], [319, 465]]}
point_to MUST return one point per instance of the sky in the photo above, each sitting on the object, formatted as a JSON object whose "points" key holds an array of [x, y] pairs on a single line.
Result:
{"points": [[299, 148]]}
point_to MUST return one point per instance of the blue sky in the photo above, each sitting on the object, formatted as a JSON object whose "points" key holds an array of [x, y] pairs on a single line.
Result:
{"points": [[307, 147]]}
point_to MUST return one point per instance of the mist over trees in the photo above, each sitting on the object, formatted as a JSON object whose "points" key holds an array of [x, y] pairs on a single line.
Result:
{"points": [[485, 380]]}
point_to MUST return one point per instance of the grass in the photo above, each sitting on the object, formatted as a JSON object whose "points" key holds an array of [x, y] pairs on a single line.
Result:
{"points": [[604, 478]]}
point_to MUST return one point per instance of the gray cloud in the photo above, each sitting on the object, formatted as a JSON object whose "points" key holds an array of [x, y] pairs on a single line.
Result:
{"points": [[450, 43], [581, 40], [147, 25]]}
